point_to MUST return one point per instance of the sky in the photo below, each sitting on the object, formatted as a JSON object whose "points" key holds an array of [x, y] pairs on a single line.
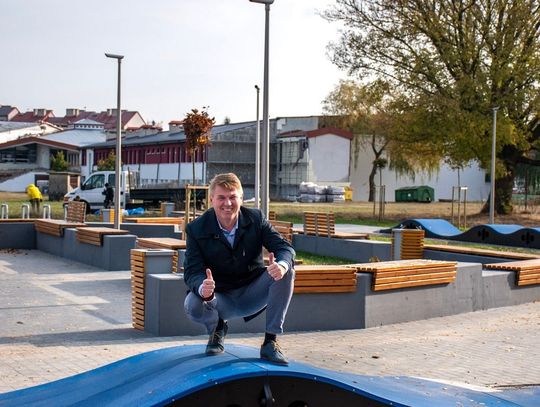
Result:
{"points": [[179, 55]]}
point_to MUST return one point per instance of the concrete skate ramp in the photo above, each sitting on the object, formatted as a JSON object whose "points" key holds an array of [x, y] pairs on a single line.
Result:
{"points": [[184, 376], [434, 228], [506, 235]]}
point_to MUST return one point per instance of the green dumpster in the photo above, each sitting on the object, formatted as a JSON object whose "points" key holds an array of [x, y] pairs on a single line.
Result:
{"points": [[421, 193]]}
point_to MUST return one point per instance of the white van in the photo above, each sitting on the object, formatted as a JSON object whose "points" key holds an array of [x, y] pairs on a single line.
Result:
{"points": [[91, 191]]}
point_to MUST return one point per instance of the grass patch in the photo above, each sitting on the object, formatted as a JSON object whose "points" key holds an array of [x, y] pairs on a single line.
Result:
{"points": [[309, 258], [15, 207]]}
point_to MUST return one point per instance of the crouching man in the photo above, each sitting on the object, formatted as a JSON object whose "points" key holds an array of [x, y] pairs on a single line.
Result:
{"points": [[225, 273]]}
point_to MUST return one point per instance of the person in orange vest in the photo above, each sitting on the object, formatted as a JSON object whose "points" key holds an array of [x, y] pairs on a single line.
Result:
{"points": [[35, 197]]}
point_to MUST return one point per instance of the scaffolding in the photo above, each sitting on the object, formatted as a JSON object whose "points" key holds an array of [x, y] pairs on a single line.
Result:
{"points": [[292, 166]]}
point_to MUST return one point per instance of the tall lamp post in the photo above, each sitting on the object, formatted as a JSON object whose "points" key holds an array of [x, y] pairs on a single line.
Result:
{"points": [[258, 156], [265, 151], [493, 158], [117, 168]]}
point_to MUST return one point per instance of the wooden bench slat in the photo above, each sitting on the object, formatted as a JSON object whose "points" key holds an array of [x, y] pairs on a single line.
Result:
{"points": [[323, 267], [344, 235], [529, 271], [160, 220], [416, 277], [322, 276], [522, 282], [315, 290], [323, 224], [515, 265], [408, 284], [162, 242], [409, 272], [524, 277], [323, 283], [401, 264], [324, 279]]}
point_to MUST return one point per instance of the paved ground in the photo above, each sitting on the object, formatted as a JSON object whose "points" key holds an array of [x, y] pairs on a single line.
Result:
{"points": [[60, 317]]}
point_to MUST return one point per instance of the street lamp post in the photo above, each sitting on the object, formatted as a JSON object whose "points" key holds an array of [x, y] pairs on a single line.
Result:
{"points": [[493, 158], [117, 167], [265, 151], [258, 156]]}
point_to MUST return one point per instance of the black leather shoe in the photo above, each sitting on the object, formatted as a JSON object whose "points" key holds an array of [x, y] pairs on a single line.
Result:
{"points": [[216, 341], [272, 353]]}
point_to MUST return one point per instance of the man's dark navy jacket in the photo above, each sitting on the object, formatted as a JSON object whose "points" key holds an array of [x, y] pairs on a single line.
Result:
{"points": [[232, 267]]}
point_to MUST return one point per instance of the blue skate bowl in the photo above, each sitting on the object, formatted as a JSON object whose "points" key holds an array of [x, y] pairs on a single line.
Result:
{"points": [[184, 376]]}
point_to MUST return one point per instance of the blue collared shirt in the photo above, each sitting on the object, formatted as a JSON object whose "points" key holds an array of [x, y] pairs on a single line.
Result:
{"points": [[229, 235]]}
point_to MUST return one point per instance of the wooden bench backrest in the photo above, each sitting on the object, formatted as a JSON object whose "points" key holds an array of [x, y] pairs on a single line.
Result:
{"points": [[389, 275], [527, 271], [324, 279], [319, 224], [283, 228], [76, 212], [407, 244], [161, 220]]}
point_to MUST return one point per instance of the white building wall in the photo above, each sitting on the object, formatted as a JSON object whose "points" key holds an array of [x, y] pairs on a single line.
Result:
{"points": [[441, 181], [19, 184], [43, 159], [329, 158], [8, 135]]}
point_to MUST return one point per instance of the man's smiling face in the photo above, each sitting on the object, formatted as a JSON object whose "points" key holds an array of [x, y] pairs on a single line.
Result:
{"points": [[226, 204]]}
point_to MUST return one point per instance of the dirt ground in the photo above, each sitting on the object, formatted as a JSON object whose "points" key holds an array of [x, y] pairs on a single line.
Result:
{"points": [[398, 211], [394, 212]]}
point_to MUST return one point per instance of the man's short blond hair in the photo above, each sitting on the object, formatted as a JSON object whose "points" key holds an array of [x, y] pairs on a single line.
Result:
{"points": [[228, 181]]}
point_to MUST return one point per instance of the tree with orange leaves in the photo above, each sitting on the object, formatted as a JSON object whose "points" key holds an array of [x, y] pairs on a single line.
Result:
{"points": [[197, 128]]}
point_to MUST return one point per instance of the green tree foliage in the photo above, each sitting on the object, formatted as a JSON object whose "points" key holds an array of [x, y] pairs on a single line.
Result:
{"points": [[58, 162], [373, 113], [454, 60], [107, 164], [197, 128]]}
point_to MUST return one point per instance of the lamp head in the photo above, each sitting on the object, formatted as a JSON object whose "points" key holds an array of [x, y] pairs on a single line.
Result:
{"points": [[115, 56], [262, 1]]}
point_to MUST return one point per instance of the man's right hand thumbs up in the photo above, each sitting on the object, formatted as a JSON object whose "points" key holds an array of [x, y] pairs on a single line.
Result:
{"points": [[208, 285]]}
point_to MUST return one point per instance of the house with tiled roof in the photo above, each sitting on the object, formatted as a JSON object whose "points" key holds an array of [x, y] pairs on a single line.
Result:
{"points": [[8, 112], [130, 120], [34, 116]]}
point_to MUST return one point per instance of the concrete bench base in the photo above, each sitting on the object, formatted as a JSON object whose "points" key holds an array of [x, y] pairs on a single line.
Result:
{"points": [[113, 255], [358, 251], [17, 235], [165, 316], [473, 290]]}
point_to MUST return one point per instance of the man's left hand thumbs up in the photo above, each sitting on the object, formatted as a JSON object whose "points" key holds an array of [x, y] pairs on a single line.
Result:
{"points": [[276, 271]]}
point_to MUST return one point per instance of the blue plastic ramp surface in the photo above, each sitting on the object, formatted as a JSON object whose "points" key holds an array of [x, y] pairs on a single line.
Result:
{"points": [[507, 235], [183, 375], [434, 228]]}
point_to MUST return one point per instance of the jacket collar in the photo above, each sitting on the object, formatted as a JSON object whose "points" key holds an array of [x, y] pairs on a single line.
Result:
{"points": [[211, 226]]}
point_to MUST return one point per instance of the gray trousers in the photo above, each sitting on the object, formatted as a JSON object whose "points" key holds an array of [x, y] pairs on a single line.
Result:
{"points": [[245, 301]]}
